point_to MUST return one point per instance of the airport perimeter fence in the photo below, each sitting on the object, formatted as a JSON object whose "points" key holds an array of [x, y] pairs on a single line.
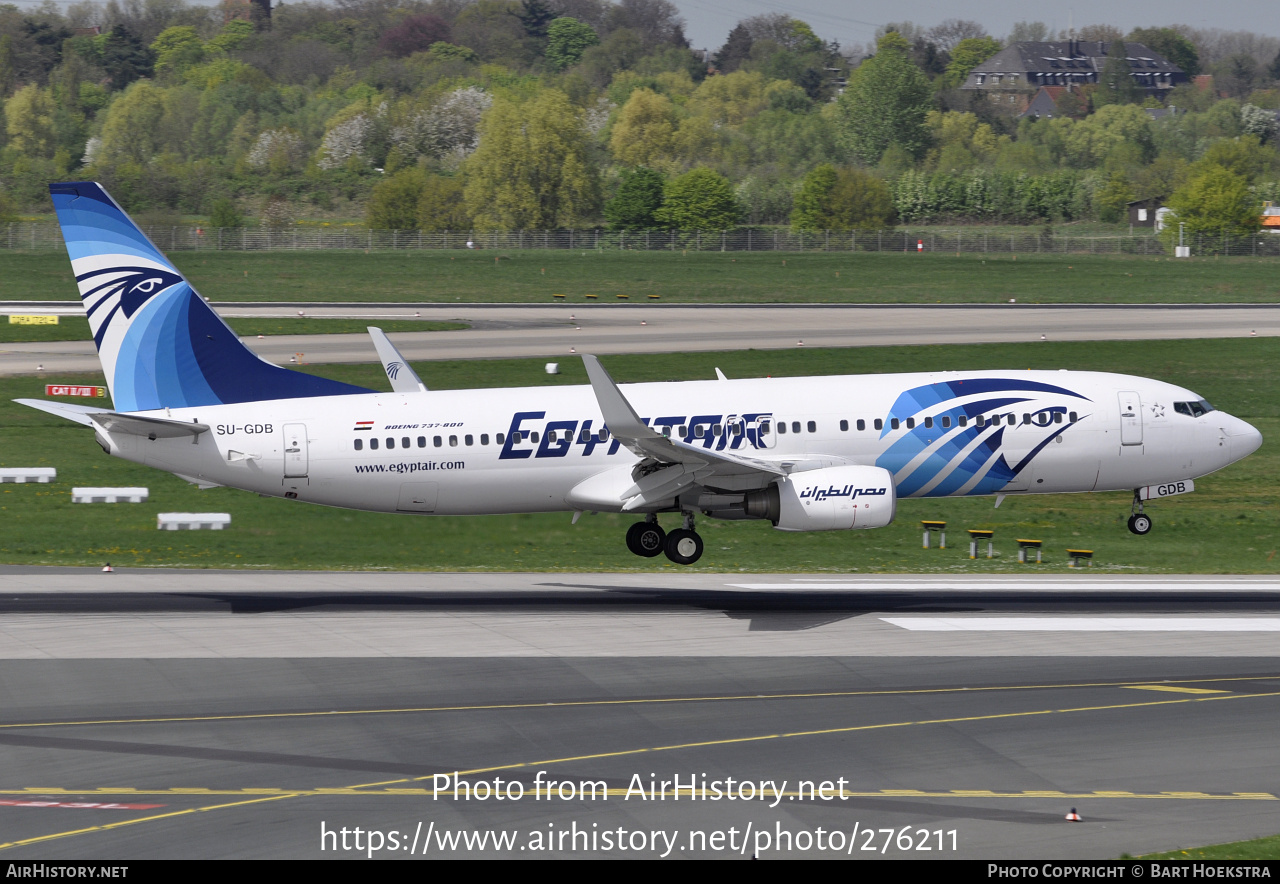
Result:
{"points": [[36, 236]]}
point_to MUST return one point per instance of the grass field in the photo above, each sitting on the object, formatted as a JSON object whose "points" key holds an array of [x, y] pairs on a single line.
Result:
{"points": [[1259, 848], [705, 277], [1231, 524], [76, 328]]}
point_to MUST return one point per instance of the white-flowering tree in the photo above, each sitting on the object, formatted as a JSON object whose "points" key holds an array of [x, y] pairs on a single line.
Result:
{"points": [[277, 151], [449, 131]]}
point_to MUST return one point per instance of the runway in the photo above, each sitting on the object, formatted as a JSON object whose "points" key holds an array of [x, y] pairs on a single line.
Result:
{"points": [[213, 714], [560, 330]]}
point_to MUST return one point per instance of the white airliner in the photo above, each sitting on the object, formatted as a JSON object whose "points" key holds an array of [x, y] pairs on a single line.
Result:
{"points": [[808, 454]]}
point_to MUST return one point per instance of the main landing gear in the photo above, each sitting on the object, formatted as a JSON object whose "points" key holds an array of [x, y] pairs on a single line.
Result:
{"points": [[682, 546], [1139, 522]]}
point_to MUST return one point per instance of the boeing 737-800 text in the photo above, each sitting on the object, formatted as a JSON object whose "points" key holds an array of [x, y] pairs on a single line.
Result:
{"points": [[808, 453]]}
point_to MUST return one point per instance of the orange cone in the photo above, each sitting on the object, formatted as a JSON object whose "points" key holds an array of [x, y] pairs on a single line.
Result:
{"points": [[1074, 817]]}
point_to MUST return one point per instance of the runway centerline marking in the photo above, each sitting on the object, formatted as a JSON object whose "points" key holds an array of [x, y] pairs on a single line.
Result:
{"points": [[640, 701], [1175, 689]]}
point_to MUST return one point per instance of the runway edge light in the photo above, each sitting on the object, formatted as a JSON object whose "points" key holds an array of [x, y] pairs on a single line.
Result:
{"points": [[1074, 817]]}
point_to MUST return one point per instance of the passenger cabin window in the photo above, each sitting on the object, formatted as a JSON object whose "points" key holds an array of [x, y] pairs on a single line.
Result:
{"points": [[1057, 417], [813, 426], [684, 431], [911, 423], [422, 441], [484, 438], [533, 437], [782, 427], [437, 441], [391, 443], [928, 423], [964, 420], [893, 423], [453, 441], [879, 424], [795, 426], [946, 423], [500, 438], [604, 434], [1072, 417], [404, 442], [359, 444], [373, 444], [764, 428], [861, 425], [844, 426], [469, 439]]}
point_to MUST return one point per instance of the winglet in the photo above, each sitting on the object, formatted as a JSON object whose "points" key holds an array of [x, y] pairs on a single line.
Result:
{"points": [[720, 375], [623, 422], [403, 378]]}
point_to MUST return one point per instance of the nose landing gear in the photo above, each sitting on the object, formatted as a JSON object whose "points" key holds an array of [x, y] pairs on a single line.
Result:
{"points": [[1139, 522]]}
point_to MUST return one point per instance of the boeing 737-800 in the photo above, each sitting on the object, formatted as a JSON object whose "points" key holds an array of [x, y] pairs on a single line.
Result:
{"points": [[807, 453]]}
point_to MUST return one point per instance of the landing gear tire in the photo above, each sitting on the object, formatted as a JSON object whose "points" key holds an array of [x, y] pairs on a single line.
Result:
{"points": [[646, 539], [1140, 523], [684, 547]]}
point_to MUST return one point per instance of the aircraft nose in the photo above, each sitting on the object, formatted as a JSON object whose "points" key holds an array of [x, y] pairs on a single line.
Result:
{"points": [[1244, 437]]}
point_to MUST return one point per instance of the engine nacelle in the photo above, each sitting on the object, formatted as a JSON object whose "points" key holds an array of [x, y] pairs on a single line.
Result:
{"points": [[830, 499]]}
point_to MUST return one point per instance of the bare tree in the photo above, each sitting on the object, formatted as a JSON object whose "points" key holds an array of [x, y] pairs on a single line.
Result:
{"points": [[1029, 32], [950, 32]]}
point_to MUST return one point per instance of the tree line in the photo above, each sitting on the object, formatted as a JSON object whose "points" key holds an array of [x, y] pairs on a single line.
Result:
{"points": [[514, 114]]}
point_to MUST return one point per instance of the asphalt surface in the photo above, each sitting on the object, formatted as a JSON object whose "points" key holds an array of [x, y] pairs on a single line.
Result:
{"points": [[213, 714], [563, 330]]}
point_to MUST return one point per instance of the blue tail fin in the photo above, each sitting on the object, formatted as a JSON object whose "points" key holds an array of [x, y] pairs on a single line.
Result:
{"points": [[160, 344]]}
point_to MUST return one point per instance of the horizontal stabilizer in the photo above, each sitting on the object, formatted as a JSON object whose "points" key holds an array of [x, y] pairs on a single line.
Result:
{"points": [[403, 378], [78, 413], [151, 427]]}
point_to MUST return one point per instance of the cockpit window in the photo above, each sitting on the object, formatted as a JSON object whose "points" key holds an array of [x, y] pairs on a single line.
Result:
{"points": [[1193, 409]]}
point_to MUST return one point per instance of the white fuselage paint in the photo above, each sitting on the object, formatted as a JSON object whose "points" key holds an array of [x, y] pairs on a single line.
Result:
{"points": [[247, 445]]}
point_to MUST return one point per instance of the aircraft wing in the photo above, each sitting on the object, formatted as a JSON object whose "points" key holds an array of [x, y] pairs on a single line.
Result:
{"points": [[676, 463]]}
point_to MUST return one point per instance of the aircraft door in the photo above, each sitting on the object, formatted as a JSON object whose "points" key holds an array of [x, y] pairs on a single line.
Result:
{"points": [[295, 451], [1130, 418]]}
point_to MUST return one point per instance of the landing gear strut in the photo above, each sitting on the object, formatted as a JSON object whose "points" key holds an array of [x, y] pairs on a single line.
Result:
{"points": [[646, 538], [1139, 522]]}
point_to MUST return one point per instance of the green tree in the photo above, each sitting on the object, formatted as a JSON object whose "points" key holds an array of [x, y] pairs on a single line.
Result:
{"points": [[1216, 203], [532, 168], [393, 203], [29, 121], [224, 213], [1113, 198], [886, 103], [844, 199], [1172, 45], [1115, 80], [967, 55], [567, 39], [860, 200], [700, 199], [177, 49], [234, 35], [441, 206], [635, 205], [132, 126], [645, 132], [812, 208], [124, 57]]}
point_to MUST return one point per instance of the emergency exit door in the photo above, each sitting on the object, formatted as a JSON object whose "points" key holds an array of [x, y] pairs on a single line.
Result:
{"points": [[295, 451]]}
